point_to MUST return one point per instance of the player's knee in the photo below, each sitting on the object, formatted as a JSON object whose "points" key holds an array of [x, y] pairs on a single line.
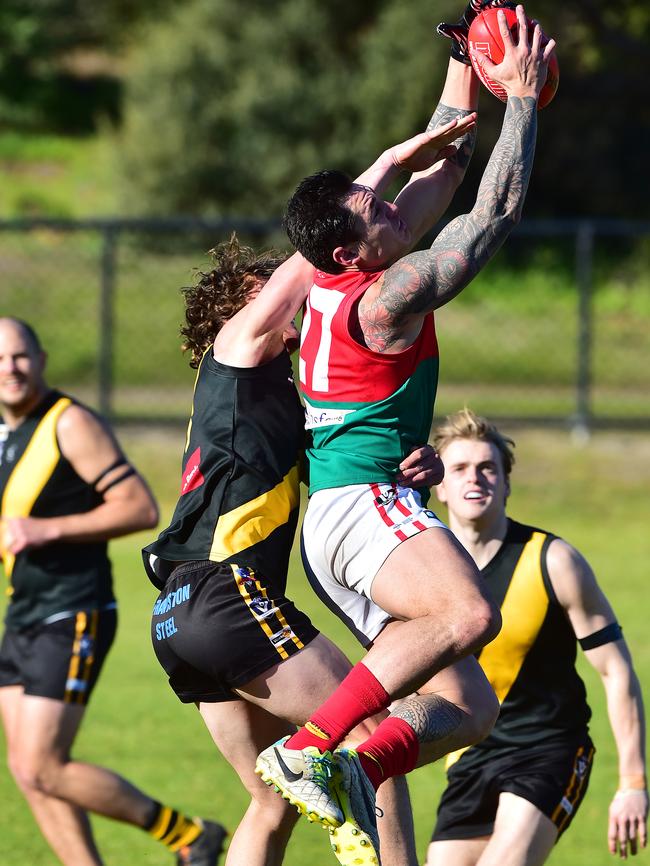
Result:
{"points": [[25, 772], [32, 776], [478, 625], [272, 813], [15, 767]]}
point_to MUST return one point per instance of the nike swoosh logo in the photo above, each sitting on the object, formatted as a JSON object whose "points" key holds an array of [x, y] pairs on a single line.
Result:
{"points": [[289, 774]]}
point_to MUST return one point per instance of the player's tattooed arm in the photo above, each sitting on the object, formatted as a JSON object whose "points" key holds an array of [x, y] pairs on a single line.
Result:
{"points": [[425, 280], [432, 717], [465, 144]]}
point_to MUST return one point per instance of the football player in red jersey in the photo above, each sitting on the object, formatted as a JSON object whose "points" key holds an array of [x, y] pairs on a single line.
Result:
{"points": [[253, 663], [369, 363]]}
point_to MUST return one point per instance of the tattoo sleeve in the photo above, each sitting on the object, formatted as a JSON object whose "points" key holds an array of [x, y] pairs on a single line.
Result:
{"points": [[425, 280], [465, 144], [431, 717]]}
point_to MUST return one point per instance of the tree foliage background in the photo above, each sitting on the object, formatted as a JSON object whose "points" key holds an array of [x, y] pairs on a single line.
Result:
{"points": [[221, 106]]}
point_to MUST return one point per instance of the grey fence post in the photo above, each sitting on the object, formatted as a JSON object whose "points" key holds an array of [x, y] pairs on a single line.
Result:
{"points": [[584, 277], [106, 323]]}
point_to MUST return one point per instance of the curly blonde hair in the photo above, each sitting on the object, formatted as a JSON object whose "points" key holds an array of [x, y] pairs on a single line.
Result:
{"points": [[465, 424], [222, 291]]}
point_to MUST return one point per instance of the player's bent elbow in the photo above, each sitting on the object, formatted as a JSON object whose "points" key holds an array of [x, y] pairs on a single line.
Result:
{"points": [[452, 175], [144, 516], [512, 216], [150, 517]]}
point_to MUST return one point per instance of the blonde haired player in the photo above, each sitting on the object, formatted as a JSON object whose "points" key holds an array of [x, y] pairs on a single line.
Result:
{"points": [[510, 797]]}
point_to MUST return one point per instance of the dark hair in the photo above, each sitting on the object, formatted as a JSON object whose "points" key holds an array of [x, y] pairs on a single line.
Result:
{"points": [[28, 332], [317, 220], [222, 292]]}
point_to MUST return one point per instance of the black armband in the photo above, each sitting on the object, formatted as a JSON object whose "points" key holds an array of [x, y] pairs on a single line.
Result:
{"points": [[610, 633], [119, 462], [120, 478]]}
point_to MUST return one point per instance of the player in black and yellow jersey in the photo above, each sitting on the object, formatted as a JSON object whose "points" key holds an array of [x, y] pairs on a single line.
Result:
{"points": [[65, 489], [223, 628], [510, 797]]}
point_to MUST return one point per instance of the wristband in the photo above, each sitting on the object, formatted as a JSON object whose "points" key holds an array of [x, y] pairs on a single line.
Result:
{"points": [[632, 783]]}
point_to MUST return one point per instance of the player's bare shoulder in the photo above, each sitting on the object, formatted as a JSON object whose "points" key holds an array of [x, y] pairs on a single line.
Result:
{"points": [[80, 422], [570, 574], [86, 440], [385, 315]]}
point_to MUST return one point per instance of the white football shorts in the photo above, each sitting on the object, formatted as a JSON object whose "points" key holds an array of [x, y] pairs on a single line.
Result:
{"points": [[347, 535]]}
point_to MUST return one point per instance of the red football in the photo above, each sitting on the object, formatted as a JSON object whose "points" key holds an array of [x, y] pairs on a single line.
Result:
{"points": [[485, 37]]}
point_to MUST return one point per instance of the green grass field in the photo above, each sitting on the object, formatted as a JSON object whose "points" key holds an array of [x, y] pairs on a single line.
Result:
{"points": [[596, 496]]}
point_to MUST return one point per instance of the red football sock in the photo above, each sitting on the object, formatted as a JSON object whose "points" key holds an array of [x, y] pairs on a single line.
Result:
{"points": [[359, 696], [392, 750]]}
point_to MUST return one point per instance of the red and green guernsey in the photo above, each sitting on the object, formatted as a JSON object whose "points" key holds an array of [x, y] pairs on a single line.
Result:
{"points": [[365, 410]]}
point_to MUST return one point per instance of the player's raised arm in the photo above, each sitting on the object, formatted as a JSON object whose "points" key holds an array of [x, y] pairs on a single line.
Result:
{"points": [[429, 191], [278, 301], [423, 281], [422, 152]]}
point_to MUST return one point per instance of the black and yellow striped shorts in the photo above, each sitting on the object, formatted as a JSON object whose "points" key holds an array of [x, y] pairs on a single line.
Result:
{"points": [[217, 626], [60, 660]]}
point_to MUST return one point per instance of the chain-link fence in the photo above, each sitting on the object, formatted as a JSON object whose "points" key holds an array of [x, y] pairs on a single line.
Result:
{"points": [[555, 330]]}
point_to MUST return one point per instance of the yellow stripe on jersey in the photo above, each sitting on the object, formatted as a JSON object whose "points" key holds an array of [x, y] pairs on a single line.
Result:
{"points": [[255, 520], [189, 423], [32, 472], [523, 610]]}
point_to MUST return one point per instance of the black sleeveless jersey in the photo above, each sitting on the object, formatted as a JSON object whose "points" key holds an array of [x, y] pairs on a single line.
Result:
{"points": [[531, 663], [240, 481], [36, 480]]}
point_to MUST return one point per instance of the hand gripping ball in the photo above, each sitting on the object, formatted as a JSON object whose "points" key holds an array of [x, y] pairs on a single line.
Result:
{"points": [[485, 38]]}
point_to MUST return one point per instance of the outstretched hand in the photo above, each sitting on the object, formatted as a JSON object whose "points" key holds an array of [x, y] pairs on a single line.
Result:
{"points": [[522, 72], [628, 815], [425, 149]]}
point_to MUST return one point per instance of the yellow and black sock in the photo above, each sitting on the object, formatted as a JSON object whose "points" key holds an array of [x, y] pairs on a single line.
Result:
{"points": [[173, 829]]}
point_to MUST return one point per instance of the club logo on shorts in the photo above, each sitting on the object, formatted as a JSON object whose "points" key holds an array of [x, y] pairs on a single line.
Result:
{"points": [[86, 646], [261, 606], [249, 585], [386, 498], [566, 805], [281, 637], [581, 768]]}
